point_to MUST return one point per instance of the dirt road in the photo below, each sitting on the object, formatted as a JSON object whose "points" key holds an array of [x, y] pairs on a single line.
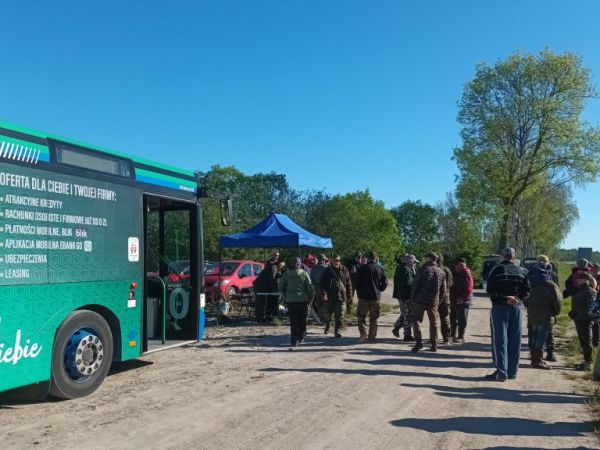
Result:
{"points": [[243, 388]]}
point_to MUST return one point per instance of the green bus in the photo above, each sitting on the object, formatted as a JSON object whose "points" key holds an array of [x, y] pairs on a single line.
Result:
{"points": [[100, 261]]}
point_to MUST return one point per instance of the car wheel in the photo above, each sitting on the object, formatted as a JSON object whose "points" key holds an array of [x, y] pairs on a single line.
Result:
{"points": [[81, 356]]}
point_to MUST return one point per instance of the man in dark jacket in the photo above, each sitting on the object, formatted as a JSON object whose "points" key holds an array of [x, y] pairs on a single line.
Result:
{"points": [[336, 287], [370, 282], [403, 280], [507, 286], [315, 276], [428, 290], [444, 308], [264, 284], [353, 270], [537, 275]]}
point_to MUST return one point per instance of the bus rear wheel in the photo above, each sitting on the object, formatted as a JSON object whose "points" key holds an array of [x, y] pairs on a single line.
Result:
{"points": [[81, 356]]}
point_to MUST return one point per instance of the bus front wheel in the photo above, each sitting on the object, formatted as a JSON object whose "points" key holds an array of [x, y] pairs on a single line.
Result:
{"points": [[81, 356]]}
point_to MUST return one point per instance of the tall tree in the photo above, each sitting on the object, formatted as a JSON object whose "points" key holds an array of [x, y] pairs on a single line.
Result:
{"points": [[357, 222], [418, 225], [522, 131]]}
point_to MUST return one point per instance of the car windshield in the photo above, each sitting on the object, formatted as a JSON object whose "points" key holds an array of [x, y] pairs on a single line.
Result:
{"points": [[227, 268]]}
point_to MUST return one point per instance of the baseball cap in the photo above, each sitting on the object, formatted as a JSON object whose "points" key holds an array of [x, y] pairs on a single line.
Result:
{"points": [[322, 257], [582, 262], [544, 259], [508, 251], [337, 258], [432, 255], [412, 258]]}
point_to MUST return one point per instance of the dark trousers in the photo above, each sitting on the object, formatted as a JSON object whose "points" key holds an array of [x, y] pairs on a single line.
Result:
{"points": [[444, 313], [334, 309], [272, 309], [370, 308], [595, 333], [549, 338], [538, 336], [459, 315], [584, 333], [297, 313], [505, 322], [432, 314], [260, 308]]}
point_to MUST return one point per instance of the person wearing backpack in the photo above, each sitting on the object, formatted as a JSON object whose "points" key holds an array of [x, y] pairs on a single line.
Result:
{"points": [[543, 304], [544, 271]]}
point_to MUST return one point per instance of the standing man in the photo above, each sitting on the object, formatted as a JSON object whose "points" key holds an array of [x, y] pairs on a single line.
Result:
{"points": [[353, 270], [428, 290], [315, 276], [461, 294], [507, 286], [273, 271], [538, 275], [336, 287], [444, 308], [370, 282], [403, 280], [581, 266]]}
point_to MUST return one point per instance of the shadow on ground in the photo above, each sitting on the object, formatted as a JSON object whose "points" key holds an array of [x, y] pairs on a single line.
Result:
{"points": [[371, 372], [497, 426], [505, 395]]}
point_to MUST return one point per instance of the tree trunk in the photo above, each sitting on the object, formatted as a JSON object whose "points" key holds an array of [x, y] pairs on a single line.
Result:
{"points": [[504, 230]]}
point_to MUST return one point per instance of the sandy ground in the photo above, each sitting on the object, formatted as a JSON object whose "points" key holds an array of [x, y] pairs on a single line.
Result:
{"points": [[243, 388]]}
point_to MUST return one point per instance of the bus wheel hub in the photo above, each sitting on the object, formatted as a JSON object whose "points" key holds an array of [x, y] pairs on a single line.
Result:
{"points": [[83, 355]]}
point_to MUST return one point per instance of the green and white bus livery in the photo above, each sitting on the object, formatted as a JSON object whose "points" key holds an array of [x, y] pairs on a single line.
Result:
{"points": [[88, 238]]}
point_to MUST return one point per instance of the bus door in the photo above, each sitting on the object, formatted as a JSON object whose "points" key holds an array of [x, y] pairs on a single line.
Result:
{"points": [[170, 313]]}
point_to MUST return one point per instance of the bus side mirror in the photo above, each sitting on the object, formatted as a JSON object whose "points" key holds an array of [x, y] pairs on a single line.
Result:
{"points": [[226, 211]]}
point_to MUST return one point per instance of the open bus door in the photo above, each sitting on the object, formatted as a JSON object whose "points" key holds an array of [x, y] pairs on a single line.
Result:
{"points": [[171, 291]]}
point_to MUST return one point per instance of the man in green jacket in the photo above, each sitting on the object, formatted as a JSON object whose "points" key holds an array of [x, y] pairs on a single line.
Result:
{"points": [[336, 288], [296, 290]]}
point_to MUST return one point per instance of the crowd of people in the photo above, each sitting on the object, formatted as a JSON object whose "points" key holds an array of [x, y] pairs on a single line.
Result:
{"points": [[321, 289]]}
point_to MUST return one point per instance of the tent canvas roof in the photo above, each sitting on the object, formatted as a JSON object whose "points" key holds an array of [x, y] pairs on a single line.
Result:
{"points": [[277, 230]]}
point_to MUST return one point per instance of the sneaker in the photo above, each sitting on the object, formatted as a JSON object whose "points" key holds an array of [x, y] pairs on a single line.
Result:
{"points": [[550, 356], [418, 346], [396, 332], [495, 377], [584, 366], [325, 331], [408, 338], [512, 377], [362, 339], [337, 334], [446, 341], [455, 340], [433, 348]]}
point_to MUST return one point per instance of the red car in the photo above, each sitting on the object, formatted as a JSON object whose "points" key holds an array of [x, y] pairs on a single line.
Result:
{"points": [[231, 277]]}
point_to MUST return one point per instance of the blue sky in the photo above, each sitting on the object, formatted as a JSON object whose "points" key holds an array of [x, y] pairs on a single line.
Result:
{"points": [[340, 95]]}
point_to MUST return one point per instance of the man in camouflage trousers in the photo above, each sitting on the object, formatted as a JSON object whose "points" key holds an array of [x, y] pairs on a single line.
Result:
{"points": [[336, 288], [403, 280]]}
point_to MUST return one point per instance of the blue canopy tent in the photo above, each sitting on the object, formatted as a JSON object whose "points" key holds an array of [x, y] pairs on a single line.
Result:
{"points": [[277, 230]]}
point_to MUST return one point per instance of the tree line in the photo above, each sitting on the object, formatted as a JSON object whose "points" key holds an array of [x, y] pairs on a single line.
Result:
{"points": [[524, 147]]}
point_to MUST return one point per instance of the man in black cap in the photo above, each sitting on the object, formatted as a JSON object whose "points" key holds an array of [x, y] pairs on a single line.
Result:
{"points": [[507, 286], [336, 287], [370, 282], [428, 290]]}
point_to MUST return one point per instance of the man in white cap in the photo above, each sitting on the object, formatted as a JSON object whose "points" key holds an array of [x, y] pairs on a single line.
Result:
{"points": [[507, 286]]}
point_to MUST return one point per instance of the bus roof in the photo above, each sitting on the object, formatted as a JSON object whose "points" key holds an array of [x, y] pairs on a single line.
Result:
{"points": [[136, 159]]}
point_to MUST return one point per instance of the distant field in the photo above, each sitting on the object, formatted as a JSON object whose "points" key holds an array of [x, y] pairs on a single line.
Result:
{"points": [[564, 270]]}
